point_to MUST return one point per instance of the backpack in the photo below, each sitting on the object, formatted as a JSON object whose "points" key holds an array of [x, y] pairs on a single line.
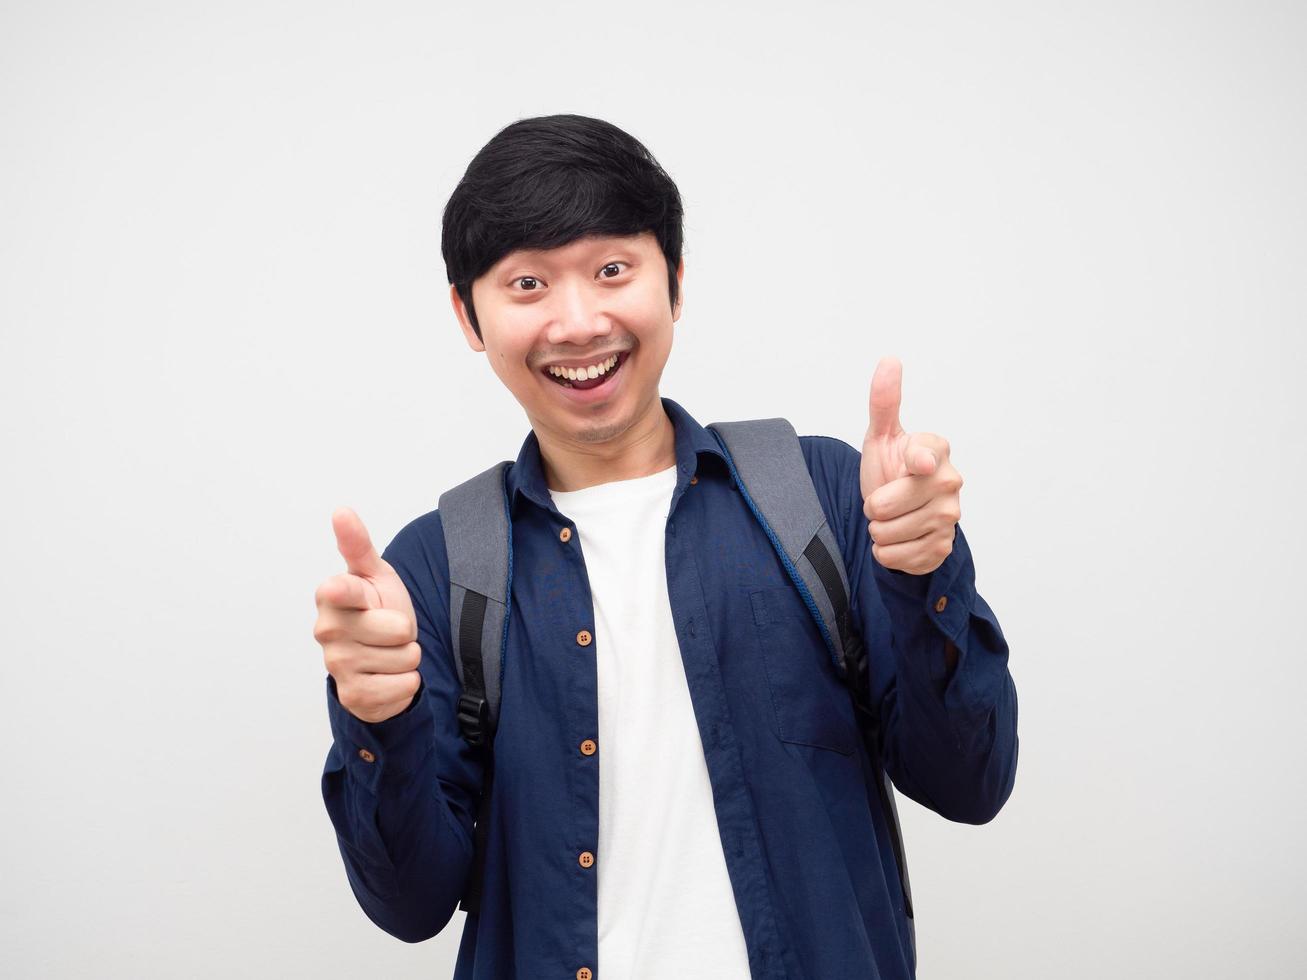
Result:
{"points": [[767, 465]]}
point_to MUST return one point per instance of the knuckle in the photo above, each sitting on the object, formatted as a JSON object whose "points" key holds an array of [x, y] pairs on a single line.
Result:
{"points": [[333, 584], [398, 630], [414, 651], [342, 660], [346, 694], [326, 631], [381, 627], [335, 665], [366, 696]]}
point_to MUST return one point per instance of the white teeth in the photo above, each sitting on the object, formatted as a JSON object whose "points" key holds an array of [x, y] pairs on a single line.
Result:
{"points": [[591, 371]]}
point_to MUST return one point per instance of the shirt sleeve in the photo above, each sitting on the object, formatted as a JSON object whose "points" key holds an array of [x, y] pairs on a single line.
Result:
{"points": [[402, 793], [948, 736]]}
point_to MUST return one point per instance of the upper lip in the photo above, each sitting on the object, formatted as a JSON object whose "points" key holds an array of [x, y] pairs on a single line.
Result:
{"points": [[577, 362]]}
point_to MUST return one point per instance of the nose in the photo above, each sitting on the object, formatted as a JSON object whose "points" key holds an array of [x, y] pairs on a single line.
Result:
{"points": [[578, 317]]}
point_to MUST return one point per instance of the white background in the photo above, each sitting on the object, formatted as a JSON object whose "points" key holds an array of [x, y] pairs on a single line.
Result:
{"points": [[1079, 225]]}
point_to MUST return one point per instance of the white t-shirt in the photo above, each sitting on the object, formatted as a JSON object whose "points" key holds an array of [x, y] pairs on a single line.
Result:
{"points": [[666, 908]]}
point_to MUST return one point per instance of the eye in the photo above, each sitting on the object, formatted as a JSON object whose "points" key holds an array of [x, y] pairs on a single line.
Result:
{"points": [[610, 265], [531, 279]]}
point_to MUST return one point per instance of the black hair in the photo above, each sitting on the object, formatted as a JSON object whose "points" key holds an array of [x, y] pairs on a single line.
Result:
{"points": [[546, 181]]}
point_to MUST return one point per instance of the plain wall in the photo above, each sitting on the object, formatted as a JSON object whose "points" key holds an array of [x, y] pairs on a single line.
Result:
{"points": [[224, 314]]}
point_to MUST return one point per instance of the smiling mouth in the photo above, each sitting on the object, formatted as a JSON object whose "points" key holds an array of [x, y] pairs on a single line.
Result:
{"points": [[596, 382]]}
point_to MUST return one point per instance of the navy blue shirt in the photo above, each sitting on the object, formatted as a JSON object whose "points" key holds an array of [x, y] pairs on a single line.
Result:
{"points": [[806, 844]]}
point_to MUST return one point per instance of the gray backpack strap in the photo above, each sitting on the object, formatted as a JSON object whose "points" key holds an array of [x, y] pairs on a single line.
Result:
{"points": [[768, 466], [766, 461], [474, 516]]}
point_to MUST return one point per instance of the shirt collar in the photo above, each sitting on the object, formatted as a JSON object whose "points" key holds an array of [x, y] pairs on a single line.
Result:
{"points": [[526, 477]]}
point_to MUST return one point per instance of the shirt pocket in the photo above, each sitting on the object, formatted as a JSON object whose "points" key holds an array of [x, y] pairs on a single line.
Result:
{"points": [[810, 703]]}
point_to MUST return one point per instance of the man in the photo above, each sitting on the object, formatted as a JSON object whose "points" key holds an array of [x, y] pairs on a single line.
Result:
{"points": [[679, 788]]}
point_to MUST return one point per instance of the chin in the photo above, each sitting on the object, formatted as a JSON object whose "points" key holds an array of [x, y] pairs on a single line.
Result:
{"points": [[602, 431]]}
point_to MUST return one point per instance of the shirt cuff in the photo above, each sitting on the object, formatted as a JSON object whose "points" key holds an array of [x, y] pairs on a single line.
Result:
{"points": [[376, 752], [928, 610]]}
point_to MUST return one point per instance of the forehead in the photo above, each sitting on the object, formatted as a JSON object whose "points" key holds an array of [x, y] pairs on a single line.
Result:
{"points": [[580, 250]]}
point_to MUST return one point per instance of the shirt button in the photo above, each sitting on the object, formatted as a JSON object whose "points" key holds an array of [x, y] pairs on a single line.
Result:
{"points": [[584, 974], [940, 603], [367, 756], [586, 859], [565, 535], [588, 747], [693, 480], [583, 638]]}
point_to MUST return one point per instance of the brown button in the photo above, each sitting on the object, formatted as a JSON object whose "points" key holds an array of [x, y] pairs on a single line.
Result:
{"points": [[586, 859], [583, 638], [940, 603], [588, 747], [565, 534], [584, 974], [693, 480], [367, 756]]}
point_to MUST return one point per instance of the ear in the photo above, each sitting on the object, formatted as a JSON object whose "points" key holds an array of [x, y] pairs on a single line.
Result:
{"points": [[464, 322], [680, 290]]}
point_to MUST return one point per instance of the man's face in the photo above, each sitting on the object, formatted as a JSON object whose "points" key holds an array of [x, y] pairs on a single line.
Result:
{"points": [[577, 306]]}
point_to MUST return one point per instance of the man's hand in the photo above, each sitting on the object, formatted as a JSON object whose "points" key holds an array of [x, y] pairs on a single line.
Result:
{"points": [[367, 628], [910, 490]]}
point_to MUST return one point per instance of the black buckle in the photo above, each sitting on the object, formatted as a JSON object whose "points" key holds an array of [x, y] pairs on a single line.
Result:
{"points": [[855, 670], [473, 718]]}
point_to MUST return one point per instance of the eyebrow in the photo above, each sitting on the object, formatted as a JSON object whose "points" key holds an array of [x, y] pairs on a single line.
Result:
{"points": [[546, 257]]}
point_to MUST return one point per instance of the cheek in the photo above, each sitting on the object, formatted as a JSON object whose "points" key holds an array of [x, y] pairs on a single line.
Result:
{"points": [[647, 313], [655, 300], [510, 345], [509, 367]]}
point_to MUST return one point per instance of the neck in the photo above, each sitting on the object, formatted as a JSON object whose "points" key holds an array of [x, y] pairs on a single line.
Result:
{"points": [[646, 447]]}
